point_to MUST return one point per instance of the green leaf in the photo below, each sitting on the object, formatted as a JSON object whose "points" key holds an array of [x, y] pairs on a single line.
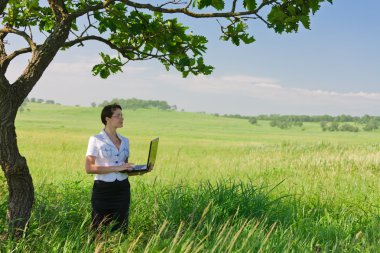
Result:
{"points": [[203, 3], [104, 73], [32, 5], [305, 20], [314, 5], [108, 66], [235, 40], [250, 5], [292, 9], [218, 4], [176, 38], [247, 39]]}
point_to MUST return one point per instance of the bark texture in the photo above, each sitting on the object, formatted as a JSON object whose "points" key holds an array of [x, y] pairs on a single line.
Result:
{"points": [[15, 168]]}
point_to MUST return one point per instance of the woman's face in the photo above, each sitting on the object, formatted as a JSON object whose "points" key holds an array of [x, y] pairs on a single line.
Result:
{"points": [[116, 119]]}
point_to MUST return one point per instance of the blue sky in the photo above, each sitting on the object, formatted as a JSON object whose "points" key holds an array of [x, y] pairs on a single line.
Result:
{"points": [[334, 68]]}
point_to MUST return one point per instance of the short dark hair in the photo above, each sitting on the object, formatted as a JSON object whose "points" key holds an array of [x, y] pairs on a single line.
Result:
{"points": [[108, 111]]}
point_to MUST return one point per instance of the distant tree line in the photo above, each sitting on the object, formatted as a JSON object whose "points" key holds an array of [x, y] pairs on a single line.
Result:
{"points": [[134, 103], [371, 125], [40, 100], [284, 124], [305, 118], [319, 118], [236, 116], [335, 126], [327, 122], [35, 100]]}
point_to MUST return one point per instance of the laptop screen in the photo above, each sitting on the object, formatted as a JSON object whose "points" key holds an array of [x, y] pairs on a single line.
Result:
{"points": [[153, 151]]}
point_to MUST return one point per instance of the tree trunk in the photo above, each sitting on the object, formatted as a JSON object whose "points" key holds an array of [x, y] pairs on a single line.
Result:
{"points": [[20, 184]]}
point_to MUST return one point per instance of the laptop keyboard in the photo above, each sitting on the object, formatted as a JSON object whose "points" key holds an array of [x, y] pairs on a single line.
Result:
{"points": [[139, 167]]}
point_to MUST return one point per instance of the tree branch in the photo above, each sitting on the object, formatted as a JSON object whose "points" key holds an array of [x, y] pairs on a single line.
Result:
{"points": [[3, 5], [188, 5], [257, 17], [41, 58], [187, 12], [59, 9], [90, 8], [3, 54], [19, 52], [79, 40], [71, 43], [122, 50], [172, 2], [265, 3], [233, 6], [7, 29]]}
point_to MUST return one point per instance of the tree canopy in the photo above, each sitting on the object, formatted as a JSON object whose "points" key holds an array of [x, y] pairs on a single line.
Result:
{"points": [[141, 31]]}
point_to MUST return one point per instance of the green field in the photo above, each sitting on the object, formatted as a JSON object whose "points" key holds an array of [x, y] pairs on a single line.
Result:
{"points": [[220, 185]]}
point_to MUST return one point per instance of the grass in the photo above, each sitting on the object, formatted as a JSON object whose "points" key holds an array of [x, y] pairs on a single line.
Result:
{"points": [[220, 185]]}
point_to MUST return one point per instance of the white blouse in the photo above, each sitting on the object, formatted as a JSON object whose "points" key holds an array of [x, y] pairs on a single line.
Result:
{"points": [[107, 154]]}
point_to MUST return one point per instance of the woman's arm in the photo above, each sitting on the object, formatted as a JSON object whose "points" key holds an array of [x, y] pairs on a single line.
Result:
{"points": [[92, 168]]}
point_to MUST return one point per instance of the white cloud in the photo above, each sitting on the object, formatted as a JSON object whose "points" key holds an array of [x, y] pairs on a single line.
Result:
{"points": [[278, 98], [249, 79], [254, 86], [268, 85]]}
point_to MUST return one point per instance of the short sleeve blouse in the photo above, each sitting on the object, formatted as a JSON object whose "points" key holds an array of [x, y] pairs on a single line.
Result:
{"points": [[107, 154]]}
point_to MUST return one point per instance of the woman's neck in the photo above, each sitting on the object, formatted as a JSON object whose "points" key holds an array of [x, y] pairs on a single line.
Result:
{"points": [[111, 132]]}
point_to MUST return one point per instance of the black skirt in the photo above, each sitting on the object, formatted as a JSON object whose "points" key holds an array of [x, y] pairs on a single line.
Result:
{"points": [[111, 195], [110, 202]]}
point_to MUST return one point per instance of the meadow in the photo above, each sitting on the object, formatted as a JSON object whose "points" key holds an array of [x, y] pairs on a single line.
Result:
{"points": [[219, 185]]}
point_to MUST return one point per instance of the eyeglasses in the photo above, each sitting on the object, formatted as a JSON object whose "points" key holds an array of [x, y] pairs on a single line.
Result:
{"points": [[120, 116]]}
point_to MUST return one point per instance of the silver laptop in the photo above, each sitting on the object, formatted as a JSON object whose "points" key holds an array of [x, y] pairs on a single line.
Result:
{"points": [[151, 156]]}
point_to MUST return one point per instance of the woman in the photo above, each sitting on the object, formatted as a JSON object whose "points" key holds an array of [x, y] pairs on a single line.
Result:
{"points": [[107, 158]]}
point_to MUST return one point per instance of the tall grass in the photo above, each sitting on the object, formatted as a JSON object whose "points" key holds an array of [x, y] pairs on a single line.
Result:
{"points": [[220, 185], [229, 216]]}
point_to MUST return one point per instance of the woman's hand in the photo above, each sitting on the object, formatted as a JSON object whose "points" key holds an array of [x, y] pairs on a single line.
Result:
{"points": [[150, 168], [92, 168], [126, 167], [129, 169]]}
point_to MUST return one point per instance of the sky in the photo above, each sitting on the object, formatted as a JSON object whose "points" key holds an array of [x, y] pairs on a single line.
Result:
{"points": [[334, 68]]}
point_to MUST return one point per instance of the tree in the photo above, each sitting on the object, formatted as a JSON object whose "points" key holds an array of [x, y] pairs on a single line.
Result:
{"points": [[324, 125], [348, 128], [334, 126], [50, 101], [136, 30], [371, 125], [253, 120]]}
